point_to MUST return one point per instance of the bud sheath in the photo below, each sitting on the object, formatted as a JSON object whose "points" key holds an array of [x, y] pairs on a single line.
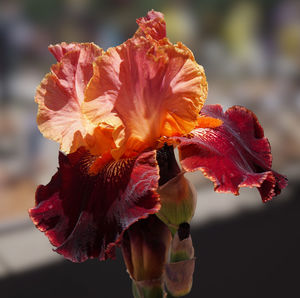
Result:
{"points": [[178, 202]]}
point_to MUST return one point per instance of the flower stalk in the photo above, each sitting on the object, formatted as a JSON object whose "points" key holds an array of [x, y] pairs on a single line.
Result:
{"points": [[148, 289]]}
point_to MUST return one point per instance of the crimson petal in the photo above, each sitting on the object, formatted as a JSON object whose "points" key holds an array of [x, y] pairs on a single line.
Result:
{"points": [[234, 155], [85, 216]]}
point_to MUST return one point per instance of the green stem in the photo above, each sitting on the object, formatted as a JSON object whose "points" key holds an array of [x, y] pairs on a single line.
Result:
{"points": [[147, 289]]}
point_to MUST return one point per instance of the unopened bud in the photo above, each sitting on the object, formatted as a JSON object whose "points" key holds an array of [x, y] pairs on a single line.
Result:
{"points": [[145, 247], [178, 202], [178, 276]]}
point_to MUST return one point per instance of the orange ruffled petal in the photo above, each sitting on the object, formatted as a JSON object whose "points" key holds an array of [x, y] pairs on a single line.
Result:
{"points": [[155, 89], [60, 95]]}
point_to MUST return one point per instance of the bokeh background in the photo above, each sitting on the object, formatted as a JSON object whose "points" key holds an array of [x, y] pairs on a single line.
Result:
{"points": [[251, 53]]}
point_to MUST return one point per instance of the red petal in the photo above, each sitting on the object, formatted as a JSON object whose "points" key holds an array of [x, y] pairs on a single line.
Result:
{"points": [[234, 155], [84, 216], [152, 25]]}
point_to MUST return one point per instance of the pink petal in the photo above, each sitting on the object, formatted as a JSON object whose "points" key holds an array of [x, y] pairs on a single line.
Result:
{"points": [[152, 25], [61, 49], [84, 216], [234, 155]]}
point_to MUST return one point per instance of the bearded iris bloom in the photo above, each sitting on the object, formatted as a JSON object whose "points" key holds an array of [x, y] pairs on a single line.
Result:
{"points": [[115, 114]]}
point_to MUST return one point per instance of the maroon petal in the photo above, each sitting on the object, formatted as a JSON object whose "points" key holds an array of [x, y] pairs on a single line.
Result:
{"points": [[234, 155], [85, 216]]}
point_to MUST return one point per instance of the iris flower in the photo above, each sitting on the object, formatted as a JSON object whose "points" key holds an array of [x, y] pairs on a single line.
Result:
{"points": [[115, 114]]}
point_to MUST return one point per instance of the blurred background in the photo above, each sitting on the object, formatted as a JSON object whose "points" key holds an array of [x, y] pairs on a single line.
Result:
{"points": [[251, 53]]}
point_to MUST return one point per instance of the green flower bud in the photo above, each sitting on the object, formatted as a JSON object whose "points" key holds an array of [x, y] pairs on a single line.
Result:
{"points": [[178, 202]]}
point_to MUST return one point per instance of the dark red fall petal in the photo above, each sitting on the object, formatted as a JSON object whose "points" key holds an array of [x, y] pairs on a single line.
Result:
{"points": [[234, 155], [152, 25], [85, 216]]}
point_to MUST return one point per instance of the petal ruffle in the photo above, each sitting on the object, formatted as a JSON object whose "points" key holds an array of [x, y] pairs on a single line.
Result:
{"points": [[152, 25], [61, 49], [60, 95], [156, 90], [84, 216], [233, 155]]}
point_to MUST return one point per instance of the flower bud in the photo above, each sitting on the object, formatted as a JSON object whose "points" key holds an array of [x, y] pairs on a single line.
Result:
{"points": [[178, 202], [178, 276], [145, 247]]}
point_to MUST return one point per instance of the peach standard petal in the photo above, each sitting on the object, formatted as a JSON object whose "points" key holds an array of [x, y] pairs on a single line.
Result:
{"points": [[60, 95], [155, 89]]}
